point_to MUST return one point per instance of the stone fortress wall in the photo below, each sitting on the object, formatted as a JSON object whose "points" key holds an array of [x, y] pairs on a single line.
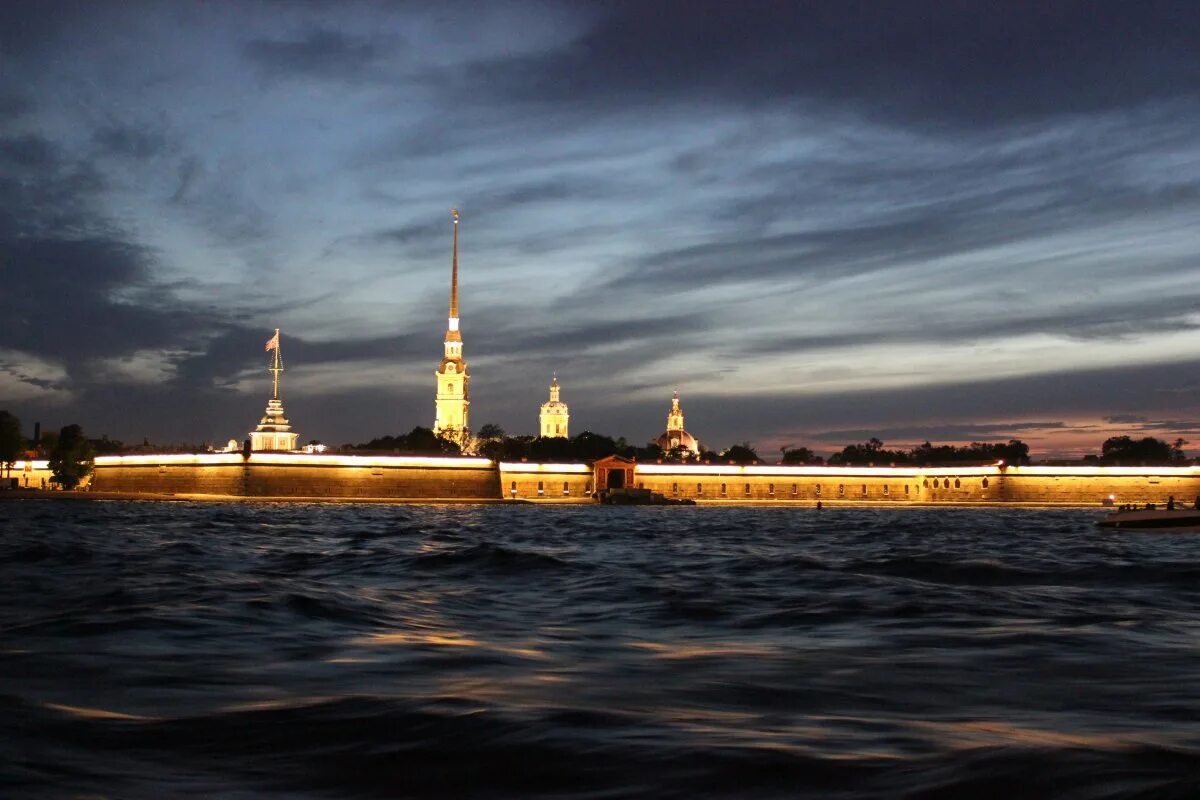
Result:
{"points": [[285, 475], [1072, 485]]}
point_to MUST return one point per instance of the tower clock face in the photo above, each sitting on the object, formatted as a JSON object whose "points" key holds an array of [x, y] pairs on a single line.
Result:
{"points": [[450, 368]]}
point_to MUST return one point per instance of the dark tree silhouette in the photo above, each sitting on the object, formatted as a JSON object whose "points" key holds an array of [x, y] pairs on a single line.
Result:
{"points": [[870, 452], [799, 455], [678, 454], [739, 454], [418, 442], [11, 443], [72, 457], [490, 432], [1124, 450]]}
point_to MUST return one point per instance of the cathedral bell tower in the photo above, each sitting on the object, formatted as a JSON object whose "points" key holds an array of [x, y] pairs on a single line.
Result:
{"points": [[675, 435], [452, 380], [553, 419]]}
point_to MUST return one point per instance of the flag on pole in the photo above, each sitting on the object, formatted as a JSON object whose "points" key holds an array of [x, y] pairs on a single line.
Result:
{"points": [[273, 342]]}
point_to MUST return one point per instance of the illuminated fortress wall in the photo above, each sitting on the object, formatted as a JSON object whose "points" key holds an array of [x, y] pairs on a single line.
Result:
{"points": [[289, 475], [418, 478], [30, 474], [546, 482], [1034, 485]]}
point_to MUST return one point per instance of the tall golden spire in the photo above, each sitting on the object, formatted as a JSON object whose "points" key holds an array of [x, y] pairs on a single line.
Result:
{"points": [[452, 393], [454, 271]]}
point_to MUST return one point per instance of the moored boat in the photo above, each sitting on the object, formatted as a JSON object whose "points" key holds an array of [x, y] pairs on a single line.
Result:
{"points": [[1183, 520]]}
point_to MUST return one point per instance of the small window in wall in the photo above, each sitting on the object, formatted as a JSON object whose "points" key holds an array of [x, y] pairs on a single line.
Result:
{"points": [[674, 488], [795, 489], [513, 489], [541, 487], [984, 482], [587, 488], [699, 489], [723, 491], [566, 488], [641, 485], [906, 488], [747, 489], [935, 483], [450, 388], [927, 483], [864, 490], [771, 489], [887, 490], [841, 489], [818, 490], [957, 483]]}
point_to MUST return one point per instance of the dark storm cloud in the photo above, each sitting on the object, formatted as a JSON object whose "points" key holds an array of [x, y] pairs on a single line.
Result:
{"points": [[786, 147], [13, 105], [228, 355], [948, 408], [1171, 425], [82, 275], [508, 332], [27, 27], [974, 431], [1126, 419], [951, 225], [29, 152], [64, 261], [187, 171], [949, 61], [131, 141], [320, 53], [1138, 316]]}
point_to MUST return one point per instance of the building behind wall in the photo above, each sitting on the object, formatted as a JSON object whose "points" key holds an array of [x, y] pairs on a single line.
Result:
{"points": [[675, 434], [555, 416]]}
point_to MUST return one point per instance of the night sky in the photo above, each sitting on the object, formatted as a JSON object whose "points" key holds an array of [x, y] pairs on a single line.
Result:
{"points": [[818, 221]]}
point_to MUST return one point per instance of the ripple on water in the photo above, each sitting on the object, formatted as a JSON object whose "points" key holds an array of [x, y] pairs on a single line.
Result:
{"points": [[322, 650]]}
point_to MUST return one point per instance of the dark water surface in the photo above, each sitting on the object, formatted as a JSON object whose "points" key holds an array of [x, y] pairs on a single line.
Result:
{"points": [[156, 650]]}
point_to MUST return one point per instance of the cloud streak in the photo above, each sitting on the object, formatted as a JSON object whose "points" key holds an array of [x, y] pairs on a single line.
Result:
{"points": [[817, 220]]}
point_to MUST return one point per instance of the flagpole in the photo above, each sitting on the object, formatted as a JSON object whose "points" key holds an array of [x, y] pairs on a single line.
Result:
{"points": [[276, 369]]}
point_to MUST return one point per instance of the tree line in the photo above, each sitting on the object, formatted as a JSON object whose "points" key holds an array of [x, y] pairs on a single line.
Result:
{"points": [[71, 454], [872, 451], [493, 443]]}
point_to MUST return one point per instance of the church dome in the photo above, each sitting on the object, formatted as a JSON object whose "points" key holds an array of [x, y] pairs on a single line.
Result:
{"points": [[672, 439], [675, 434]]}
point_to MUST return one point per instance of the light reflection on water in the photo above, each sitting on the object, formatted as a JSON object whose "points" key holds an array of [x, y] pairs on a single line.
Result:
{"points": [[336, 650]]}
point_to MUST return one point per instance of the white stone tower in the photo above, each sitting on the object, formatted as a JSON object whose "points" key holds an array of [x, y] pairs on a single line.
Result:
{"points": [[274, 432], [552, 422], [453, 382]]}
